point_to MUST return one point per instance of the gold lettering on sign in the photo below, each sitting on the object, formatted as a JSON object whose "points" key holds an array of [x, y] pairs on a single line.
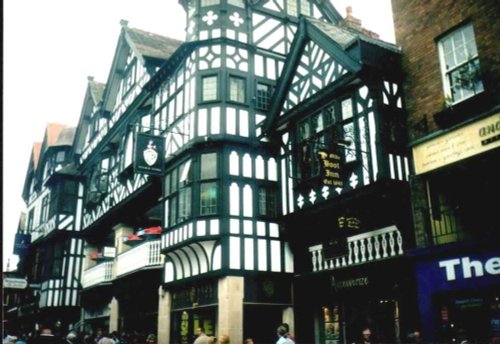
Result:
{"points": [[330, 168]]}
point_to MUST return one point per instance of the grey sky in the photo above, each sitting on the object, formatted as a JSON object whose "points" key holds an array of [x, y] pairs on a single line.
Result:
{"points": [[51, 46]]}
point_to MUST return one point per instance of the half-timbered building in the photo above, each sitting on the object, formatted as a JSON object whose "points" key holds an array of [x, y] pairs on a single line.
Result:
{"points": [[53, 257], [338, 119], [123, 262]]}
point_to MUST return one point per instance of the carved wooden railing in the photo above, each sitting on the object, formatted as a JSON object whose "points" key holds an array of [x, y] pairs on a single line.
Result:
{"points": [[363, 248]]}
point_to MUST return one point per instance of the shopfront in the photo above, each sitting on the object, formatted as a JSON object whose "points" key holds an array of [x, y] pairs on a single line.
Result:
{"points": [[459, 296], [345, 301]]}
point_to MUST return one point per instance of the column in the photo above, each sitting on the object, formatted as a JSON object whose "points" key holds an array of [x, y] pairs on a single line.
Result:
{"points": [[231, 293], [164, 308], [114, 315], [288, 318]]}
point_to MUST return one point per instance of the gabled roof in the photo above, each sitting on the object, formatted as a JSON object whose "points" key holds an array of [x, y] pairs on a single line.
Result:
{"points": [[151, 50], [151, 45], [93, 97], [65, 137], [51, 134], [348, 46], [35, 154], [95, 89]]}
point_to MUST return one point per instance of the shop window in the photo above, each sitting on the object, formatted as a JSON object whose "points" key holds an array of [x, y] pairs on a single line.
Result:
{"points": [[460, 64]]}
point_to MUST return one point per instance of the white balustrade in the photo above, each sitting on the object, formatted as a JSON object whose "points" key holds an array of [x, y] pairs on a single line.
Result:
{"points": [[362, 248], [97, 274], [144, 255]]}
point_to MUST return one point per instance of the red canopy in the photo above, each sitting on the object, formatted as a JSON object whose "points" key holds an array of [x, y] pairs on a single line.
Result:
{"points": [[153, 230], [133, 237]]}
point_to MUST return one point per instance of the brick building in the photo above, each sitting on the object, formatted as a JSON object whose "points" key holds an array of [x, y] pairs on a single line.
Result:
{"points": [[452, 66]]}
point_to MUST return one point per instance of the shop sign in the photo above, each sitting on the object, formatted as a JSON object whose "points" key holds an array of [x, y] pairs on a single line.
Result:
{"points": [[330, 166], [149, 156], [350, 283], [21, 244], [15, 283], [469, 268], [470, 140]]}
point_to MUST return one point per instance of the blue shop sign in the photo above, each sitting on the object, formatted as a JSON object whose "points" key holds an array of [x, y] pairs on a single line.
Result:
{"points": [[459, 272]]}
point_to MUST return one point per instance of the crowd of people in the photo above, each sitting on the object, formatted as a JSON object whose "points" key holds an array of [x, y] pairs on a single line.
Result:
{"points": [[46, 336]]}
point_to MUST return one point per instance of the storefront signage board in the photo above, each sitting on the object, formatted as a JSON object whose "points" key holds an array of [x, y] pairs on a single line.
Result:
{"points": [[149, 155], [459, 144]]}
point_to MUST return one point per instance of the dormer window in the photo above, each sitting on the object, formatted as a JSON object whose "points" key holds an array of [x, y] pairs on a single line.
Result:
{"points": [[460, 64]]}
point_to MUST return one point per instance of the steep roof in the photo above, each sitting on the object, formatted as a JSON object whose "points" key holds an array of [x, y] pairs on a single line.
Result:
{"points": [[152, 45], [96, 89], [65, 137], [35, 153], [52, 133]]}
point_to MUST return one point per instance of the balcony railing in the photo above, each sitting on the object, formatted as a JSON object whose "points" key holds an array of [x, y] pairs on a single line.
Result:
{"points": [[363, 248], [144, 255], [98, 274]]}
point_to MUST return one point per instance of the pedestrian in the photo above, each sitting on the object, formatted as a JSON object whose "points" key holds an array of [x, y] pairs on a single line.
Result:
{"points": [[249, 341], [9, 339], [46, 336], [106, 339], [201, 337], [224, 339], [71, 338], [366, 337], [151, 339], [288, 335], [281, 331]]}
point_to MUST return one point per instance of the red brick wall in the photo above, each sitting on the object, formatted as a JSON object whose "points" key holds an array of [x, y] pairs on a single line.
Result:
{"points": [[417, 24]]}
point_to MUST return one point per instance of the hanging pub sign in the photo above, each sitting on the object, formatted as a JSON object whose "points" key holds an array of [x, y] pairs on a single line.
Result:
{"points": [[21, 243], [329, 170], [149, 156]]}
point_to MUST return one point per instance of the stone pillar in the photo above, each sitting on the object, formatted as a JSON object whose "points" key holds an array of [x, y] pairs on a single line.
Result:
{"points": [[164, 308], [289, 318], [114, 315], [230, 317], [121, 231]]}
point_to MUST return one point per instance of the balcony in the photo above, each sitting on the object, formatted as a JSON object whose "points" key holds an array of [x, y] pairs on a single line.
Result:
{"points": [[101, 273], [363, 248], [145, 255]]}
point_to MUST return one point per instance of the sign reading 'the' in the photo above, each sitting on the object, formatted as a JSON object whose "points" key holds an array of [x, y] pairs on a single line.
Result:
{"points": [[149, 157]]}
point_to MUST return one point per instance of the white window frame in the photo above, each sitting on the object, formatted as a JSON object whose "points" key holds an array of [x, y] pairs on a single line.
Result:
{"points": [[464, 48]]}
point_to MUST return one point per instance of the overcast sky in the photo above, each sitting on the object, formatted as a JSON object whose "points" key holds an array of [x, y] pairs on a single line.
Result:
{"points": [[51, 46]]}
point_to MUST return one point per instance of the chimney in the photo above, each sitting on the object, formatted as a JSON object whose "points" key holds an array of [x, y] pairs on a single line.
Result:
{"points": [[355, 24]]}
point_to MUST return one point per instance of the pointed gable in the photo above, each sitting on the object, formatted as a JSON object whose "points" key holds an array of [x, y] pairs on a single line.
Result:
{"points": [[91, 102], [138, 56], [324, 56]]}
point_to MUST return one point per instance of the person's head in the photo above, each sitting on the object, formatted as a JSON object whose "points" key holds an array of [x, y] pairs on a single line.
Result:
{"points": [[224, 339], [249, 341], [71, 336], [45, 330], [151, 338], [286, 326], [367, 333], [282, 331], [200, 330]]}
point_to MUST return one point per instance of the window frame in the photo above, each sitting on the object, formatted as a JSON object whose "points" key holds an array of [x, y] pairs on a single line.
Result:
{"points": [[447, 73], [240, 92], [202, 88]]}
